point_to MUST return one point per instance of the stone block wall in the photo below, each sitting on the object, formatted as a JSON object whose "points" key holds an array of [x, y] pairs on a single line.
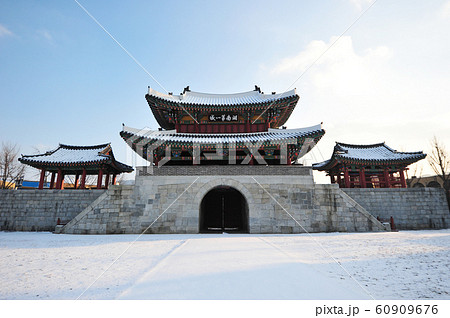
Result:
{"points": [[171, 204], [39, 210], [412, 208], [275, 204], [111, 213]]}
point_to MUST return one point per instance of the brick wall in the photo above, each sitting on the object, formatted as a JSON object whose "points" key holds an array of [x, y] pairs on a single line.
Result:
{"points": [[39, 210], [226, 170]]}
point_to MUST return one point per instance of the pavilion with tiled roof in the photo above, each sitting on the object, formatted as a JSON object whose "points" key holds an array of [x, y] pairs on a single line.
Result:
{"points": [[196, 127], [368, 166], [194, 112], [78, 161]]}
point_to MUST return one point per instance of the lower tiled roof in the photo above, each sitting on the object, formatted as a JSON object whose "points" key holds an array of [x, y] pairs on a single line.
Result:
{"points": [[75, 155], [202, 138], [367, 154]]}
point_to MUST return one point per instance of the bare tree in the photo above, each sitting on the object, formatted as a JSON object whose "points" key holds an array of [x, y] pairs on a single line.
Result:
{"points": [[11, 170], [416, 174], [439, 160]]}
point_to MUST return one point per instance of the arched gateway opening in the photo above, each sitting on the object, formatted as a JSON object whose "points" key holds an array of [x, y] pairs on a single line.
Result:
{"points": [[224, 209]]}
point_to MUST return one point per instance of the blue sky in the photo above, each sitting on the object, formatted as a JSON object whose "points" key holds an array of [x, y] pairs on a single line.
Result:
{"points": [[64, 80]]}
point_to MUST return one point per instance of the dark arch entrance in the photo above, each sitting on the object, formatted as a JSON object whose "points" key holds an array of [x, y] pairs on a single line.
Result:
{"points": [[223, 209]]}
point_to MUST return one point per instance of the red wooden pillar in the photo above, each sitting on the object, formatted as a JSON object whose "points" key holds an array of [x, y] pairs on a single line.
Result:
{"points": [[288, 159], [402, 178], [100, 179], [114, 179], [77, 177], [107, 180], [60, 180], [41, 180], [346, 178], [387, 178], [362, 178], [247, 124], [338, 178], [83, 179], [332, 179], [52, 180], [196, 124]]}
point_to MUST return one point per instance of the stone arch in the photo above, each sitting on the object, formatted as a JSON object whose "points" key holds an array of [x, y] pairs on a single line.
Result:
{"points": [[433, 184], [225, 182]]}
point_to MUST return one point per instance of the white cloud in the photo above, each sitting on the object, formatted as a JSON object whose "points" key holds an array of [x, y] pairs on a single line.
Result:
{"points": [[4, 31], [361, 4], [45, 34], [363, 96], [445, 10], [340, 70]]}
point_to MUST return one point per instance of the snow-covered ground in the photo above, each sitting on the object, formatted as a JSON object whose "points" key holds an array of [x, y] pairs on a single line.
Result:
{"points": [[403, 265]]}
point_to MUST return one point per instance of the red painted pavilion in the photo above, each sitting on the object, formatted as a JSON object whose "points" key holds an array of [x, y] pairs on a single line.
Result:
{"points": [[216, 129], [368, 166], [79, 161]]}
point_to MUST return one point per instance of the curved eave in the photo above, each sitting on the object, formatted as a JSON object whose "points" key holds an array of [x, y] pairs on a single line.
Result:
{"points": [[56, 165], [325, 165], [88, 165], [337, 159], [122, 168], [384, 162], [287, 112], [187, 139]]}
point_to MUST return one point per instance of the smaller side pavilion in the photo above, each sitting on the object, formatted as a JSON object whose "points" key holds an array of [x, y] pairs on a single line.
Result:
{"points": [[368, 166], [79, 161]]}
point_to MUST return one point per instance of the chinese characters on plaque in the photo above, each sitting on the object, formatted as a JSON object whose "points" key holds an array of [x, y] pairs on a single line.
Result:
{"points": [[223, 117]]}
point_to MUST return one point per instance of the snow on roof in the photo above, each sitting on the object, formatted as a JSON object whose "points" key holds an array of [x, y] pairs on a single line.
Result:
{"points": [[251, 97], [69, 155], [373, 152], [173, 136], [376, 153]]}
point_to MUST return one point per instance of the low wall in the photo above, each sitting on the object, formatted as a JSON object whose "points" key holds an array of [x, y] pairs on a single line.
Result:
{"points": [[39, 210], [171, 204], [412, 209]]}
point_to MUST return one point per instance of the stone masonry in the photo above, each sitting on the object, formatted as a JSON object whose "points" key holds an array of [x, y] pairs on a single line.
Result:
{"points": [[168, 200], [412, 209], [170, 203], [39, 210]]}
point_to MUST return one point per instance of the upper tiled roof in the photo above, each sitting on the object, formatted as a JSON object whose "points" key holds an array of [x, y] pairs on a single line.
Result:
{"points": [[75, 155], [202, 138], [252, 97], [377, 154]]}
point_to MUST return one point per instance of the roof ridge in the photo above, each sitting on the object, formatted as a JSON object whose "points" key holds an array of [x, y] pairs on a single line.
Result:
{"points": [[74, 147], [181, 98], [362, 146]]}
